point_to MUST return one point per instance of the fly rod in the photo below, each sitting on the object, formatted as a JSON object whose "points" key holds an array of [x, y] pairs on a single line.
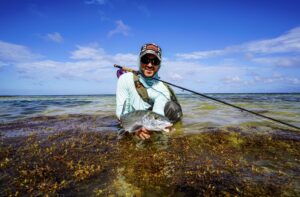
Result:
{"points": [[211, 98]]}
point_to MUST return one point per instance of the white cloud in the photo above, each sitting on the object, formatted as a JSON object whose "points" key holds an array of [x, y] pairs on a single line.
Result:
{"points": [[258, 80], [86, 62], [200, 54], [87, 70], [93, 63], [126, 59], [175, 76], [94, 52], [103, 16], [289, 42], [120, 28], [275, 78], [2, 64], [193, 72], [261, 51], [279, 61], [35, 10], [233, 79], [55, 37], [295, 81], [99, 2], [143, 9], [88, 52], [15, 53]]}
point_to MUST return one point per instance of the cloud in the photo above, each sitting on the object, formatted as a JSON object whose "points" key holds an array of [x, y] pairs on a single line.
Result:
{"points": [[89, 62], [190, 73], [94, 52], [289, 61], [15, 53], [55, 37], [2, 64], [86, 70], [201, 54], [35, 10], [121, 28], [126, 59], [92, 63], [280, 51], [99, 2], [234, 79], [259, 80], [143, 9], [288, 42], [275, 78], [88, 52], [103, 16]]}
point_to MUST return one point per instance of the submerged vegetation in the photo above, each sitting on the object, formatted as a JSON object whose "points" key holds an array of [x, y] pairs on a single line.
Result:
{"points": [[77, 160], [67, 145]]}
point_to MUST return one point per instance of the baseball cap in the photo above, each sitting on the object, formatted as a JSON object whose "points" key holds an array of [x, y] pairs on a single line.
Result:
{"points": [[151, 48]]}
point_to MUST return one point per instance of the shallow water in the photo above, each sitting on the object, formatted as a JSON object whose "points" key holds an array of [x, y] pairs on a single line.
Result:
{"points": [[68, 145], [196, 109]]}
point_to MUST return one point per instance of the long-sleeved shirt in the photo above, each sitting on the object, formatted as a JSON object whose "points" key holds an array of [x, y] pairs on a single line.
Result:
{"points": [[127, 95]]}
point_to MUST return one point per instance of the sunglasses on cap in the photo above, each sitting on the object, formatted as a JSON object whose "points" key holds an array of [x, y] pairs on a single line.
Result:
{"points": [[146, 60]]}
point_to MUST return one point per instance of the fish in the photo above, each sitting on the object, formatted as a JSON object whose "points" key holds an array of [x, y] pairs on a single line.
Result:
{"points": [[150, 120]]}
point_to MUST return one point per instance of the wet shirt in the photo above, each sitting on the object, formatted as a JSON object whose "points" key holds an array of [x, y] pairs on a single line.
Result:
{"points": [[128, 99]]}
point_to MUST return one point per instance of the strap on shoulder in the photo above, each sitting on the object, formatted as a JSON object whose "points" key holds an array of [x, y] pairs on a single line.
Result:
{"points": [[142, 91], [140, 88]]}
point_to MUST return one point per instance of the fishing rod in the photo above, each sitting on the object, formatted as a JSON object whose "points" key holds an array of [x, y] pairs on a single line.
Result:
{"points": [[211, 98]]}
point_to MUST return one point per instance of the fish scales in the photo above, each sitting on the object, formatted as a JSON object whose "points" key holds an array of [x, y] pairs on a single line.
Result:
{"points": [[142, 118]]}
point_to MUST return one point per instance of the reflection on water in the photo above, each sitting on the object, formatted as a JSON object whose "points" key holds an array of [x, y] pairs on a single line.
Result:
{"points": [[68, 145]]}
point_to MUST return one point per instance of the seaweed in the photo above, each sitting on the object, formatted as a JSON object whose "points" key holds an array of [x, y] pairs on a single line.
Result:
{"points": [[229, 161]]}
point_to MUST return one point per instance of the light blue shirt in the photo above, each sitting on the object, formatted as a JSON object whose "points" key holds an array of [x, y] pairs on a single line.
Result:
{"points": [[128, 95]]}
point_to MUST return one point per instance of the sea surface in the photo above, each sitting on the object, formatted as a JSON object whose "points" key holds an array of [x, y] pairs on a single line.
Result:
{"points": [[69, 145], [198, 112]]}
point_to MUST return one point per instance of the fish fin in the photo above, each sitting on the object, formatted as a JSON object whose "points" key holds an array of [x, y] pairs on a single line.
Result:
{"points": [[133, 108], [121, 134], [136, 127], [124, 107], [129, 108]]}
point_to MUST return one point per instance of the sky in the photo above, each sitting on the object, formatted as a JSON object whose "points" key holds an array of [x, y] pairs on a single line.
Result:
{"points": [[63, 47]]}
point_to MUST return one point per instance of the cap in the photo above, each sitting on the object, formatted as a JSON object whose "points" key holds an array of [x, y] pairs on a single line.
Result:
{"points": [[151, 48]]}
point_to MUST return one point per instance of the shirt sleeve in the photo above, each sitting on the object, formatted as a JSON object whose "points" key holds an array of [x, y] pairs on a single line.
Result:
{"points": [[121, 94]]}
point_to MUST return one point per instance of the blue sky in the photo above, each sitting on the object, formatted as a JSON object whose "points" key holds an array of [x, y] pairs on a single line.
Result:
{"points": [[70, 46]]}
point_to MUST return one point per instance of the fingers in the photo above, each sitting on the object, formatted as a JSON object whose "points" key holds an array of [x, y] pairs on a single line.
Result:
{"points": [[143, 134]]}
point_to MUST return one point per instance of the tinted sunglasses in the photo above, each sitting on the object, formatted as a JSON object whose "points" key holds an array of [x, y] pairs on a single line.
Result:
{"points": [[146, 60]]}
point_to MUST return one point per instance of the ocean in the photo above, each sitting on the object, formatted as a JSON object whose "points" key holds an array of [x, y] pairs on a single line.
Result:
{"points": [[68, 145], [197, 110]]}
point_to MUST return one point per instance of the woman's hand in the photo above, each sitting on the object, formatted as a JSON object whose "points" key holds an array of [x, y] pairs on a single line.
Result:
{"points": [[142, 133]]}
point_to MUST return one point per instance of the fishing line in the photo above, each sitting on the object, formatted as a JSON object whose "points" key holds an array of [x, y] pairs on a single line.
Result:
{"points": [[214, 99]]}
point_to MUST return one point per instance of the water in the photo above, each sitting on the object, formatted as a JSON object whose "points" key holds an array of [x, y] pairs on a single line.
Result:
{"points": [[20, 107], [68, 145], [196, 110]]}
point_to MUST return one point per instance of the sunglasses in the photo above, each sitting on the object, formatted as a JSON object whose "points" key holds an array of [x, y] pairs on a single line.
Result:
{"points": [[154, 61]]}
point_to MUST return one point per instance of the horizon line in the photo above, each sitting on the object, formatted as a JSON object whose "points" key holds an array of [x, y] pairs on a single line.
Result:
{"points": [[109, 94]]}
